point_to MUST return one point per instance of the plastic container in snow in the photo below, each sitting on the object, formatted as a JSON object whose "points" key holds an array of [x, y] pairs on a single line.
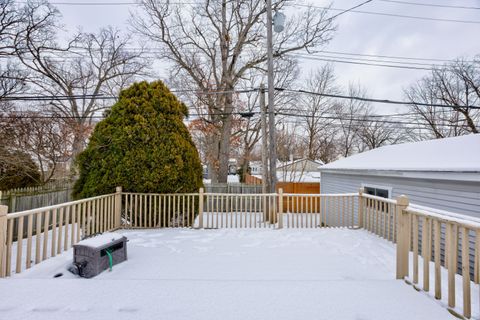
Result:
{"points": [[94, 255]]}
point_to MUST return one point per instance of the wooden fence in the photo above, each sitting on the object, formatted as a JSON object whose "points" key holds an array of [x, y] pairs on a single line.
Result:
{"points": [[236, 188], [36, 197], [430, 245]]}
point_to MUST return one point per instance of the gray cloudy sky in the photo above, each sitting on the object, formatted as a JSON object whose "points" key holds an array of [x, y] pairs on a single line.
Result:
{"points": [[357, 33]]}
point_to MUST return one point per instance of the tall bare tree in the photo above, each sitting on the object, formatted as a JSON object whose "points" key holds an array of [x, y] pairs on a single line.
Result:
{"points": [[316, 110], [48, 140], [213, 44], [79, 72], [374, 134], [12, 79], [352, 115], [456, 85]]}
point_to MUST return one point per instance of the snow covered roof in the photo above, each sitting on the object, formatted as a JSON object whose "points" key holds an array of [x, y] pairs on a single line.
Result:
{"points": [[284, 164], [456, 154], [296, 176]]}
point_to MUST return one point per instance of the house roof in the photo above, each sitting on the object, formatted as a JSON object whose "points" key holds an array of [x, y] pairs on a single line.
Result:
{"points": [[296, 176], [284, 164], [456, 154]]}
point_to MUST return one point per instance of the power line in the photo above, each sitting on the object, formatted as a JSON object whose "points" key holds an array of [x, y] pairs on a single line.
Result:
{"points": [[400, 124], [392, 15], [385, 101], [338, 55], [107, 97], [389, 57], [350, 9], [303, 56], [430, 4], [342, 11], [369, 60]]}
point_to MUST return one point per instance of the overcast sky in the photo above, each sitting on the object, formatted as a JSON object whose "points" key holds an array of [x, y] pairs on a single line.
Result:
{"points": [[357, 33]]}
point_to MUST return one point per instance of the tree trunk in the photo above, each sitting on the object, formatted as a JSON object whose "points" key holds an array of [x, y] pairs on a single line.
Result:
{"points": [[224, 145]]}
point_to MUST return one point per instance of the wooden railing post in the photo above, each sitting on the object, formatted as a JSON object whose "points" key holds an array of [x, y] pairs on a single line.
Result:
{"points": [[403, 237], [3, 240], [118, 207], [360, 207], [200, 208], [280, 208]]}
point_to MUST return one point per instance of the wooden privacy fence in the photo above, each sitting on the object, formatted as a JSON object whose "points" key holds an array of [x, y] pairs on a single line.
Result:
{"points": [[36, 197]]}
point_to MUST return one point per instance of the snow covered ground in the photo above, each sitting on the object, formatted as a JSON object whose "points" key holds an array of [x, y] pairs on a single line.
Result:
{"points": [[227, 274]]}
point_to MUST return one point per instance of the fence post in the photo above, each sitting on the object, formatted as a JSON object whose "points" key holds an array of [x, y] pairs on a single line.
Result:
{"points": [[200, 208], [13, 202], [280, 208], [360, 207], [118, 207], [3, 240], [403, 236]]}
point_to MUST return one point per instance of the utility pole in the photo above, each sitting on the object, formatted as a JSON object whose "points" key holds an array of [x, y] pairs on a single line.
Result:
{"points": [[265, 176], [271, 106]]}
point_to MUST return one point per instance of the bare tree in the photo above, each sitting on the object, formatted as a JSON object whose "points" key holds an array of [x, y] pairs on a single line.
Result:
{"points": [[352, 115], [79, 72], [375, 134], [214, 43], [46, 139], [316, 109], [11, 18], [12, 79], [249, 128], [456, 85]]}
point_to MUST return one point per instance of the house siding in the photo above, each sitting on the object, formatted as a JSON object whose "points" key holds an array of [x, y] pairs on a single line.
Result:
{"points": [[454, 196], [462, 197]]}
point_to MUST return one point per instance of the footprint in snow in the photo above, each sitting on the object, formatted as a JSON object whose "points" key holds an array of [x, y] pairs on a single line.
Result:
{"points": [[128, 309], [6, 308], [203, 249], [45, 309], [252, 245]]}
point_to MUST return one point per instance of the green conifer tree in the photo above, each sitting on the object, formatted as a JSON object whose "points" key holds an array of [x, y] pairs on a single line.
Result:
{"points": [[142, 145]]}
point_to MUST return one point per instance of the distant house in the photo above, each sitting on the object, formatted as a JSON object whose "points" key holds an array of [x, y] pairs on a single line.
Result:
{"points": [[442, 174], [255, 167], [302, 170]]}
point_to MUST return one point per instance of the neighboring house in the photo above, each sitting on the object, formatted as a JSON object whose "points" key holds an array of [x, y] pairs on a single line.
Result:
{"points": [[302, 170], [255, 167], [442, 174]]}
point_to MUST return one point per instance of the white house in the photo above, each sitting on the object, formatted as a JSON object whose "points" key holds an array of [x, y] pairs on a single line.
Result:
{"points": [[442, 174], [301, 170]]}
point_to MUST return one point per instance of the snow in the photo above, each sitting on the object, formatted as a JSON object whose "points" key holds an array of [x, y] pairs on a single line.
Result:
{"points": [[459, 154], [100, 240], [296, 176], [233, 178], [444, 285], [227, 274]]}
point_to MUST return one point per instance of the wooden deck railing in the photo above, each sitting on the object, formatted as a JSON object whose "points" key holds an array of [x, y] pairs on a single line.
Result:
{"points": [[32, 236], [430, 244], [319, 210], [378, 215], [446, 246]]}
